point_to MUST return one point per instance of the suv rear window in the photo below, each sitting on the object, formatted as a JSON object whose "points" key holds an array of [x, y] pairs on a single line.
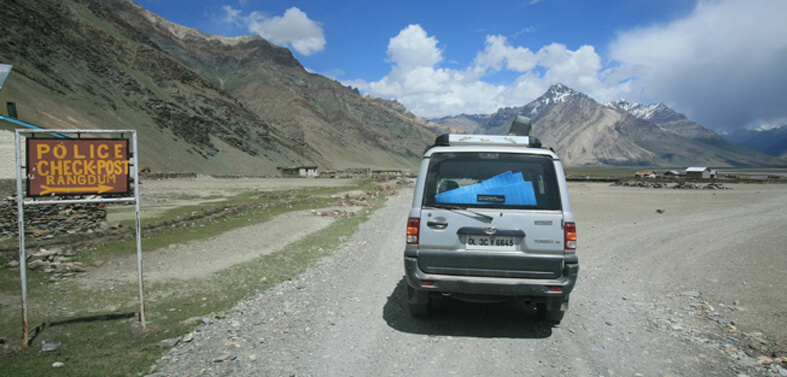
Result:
{"points": [[492, 180]]}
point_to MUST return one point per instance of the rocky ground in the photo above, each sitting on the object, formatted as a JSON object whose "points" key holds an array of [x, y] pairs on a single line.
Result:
{"points": [[672, 283], [690, 290]]}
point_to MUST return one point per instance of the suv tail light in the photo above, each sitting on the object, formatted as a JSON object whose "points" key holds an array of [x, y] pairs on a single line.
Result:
{"points": [[570, 235], [413, 224]]}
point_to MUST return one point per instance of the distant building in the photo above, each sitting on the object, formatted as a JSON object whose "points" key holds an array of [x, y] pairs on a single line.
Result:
{"points": [[298, 171], [673, 173], [329, 174], [645, 174], [698, 172], [386, 173]]}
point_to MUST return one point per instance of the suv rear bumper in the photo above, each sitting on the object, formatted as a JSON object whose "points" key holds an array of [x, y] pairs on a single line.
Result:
{"points": [[492, 286]]}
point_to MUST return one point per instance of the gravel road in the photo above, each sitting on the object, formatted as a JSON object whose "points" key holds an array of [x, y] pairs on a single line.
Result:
{"points": [[691, 290]]}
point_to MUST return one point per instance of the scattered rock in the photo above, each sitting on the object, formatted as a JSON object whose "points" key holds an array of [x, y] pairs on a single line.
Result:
{"points": [[191, 321], [188, 338], [49, 347], [222, 357], [169, 343], [765, 360], [748, 362], [663, 185], [37, 265], [58, 364], [336, 214]]}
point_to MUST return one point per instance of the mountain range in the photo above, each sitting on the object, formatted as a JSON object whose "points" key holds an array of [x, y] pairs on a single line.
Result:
{"points": [[768, 140], [586, 132], [218, 105]]}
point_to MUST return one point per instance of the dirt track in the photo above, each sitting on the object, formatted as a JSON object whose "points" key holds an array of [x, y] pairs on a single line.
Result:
{"points": [[693, 291]]}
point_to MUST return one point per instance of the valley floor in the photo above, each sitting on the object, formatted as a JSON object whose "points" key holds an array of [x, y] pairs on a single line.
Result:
{"points": [[672, 282]]}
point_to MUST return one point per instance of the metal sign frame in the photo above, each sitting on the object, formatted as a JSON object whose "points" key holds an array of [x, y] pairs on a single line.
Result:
{"points": [[123, 198]]}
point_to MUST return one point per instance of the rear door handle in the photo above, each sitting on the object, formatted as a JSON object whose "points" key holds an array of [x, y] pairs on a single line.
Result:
{"points": [[436, 224]]}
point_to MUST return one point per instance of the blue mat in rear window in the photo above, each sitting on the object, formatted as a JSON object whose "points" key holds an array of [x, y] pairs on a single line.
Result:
{"points": [[507, 189]]}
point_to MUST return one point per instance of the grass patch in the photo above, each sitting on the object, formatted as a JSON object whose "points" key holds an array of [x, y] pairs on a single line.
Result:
{"points": [[96, 328]]}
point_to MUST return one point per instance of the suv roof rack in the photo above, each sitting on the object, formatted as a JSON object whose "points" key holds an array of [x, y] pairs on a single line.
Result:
{"points": [[460, 139]]}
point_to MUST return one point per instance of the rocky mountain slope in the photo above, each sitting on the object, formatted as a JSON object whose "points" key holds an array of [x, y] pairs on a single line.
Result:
{"points": [[201, 103], [342, 128], [217, 105], [585, 132], [767, 140]]}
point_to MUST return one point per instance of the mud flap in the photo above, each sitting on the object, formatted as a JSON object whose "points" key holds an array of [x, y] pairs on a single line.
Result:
{"points": [[418, 302], [558, 304]]}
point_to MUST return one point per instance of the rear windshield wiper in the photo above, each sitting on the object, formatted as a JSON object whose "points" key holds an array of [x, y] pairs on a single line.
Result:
{"points": [[454, 207]]}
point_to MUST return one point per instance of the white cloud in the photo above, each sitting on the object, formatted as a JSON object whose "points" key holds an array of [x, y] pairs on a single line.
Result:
{"points": [[723, 64], [412, 48], [417, 81], [497, 51], [232, 15], [292, 29]]}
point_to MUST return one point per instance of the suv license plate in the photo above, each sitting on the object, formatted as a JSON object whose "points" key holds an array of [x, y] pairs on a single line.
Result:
{"points": [[484, 242]]}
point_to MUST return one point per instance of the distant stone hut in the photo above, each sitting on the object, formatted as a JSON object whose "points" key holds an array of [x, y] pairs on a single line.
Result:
{"points": [[699, 172], [298, 171], [386, 173], [645, 174]]}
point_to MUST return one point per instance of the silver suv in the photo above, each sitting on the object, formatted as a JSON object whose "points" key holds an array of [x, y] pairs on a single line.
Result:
{"points": [[491, 221]]}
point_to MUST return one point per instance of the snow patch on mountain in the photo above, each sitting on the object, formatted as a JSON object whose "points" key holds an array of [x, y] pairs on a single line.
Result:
{"points": [[557, 93], [770, 127], [654, 112]]}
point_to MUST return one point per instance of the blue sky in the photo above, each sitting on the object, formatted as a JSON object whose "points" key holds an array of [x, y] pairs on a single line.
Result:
{"points": [[721, 62]]}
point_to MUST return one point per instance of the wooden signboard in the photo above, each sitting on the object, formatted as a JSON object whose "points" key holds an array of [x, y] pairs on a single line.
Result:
{"points": [[57, 167]]}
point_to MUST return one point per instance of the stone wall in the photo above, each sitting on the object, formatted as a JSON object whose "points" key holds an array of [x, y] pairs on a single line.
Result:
{"points": [[47, 221]]}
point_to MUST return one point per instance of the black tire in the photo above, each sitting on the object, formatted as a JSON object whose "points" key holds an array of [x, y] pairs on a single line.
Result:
{"points": [[418, 302]]}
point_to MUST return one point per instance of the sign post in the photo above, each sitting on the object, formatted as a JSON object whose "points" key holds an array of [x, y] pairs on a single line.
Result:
{"points": [[75, 168]]}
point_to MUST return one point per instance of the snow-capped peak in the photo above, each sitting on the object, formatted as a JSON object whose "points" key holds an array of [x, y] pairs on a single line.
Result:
{"points": [[656, 112], [560, 93], [557, 93]]}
